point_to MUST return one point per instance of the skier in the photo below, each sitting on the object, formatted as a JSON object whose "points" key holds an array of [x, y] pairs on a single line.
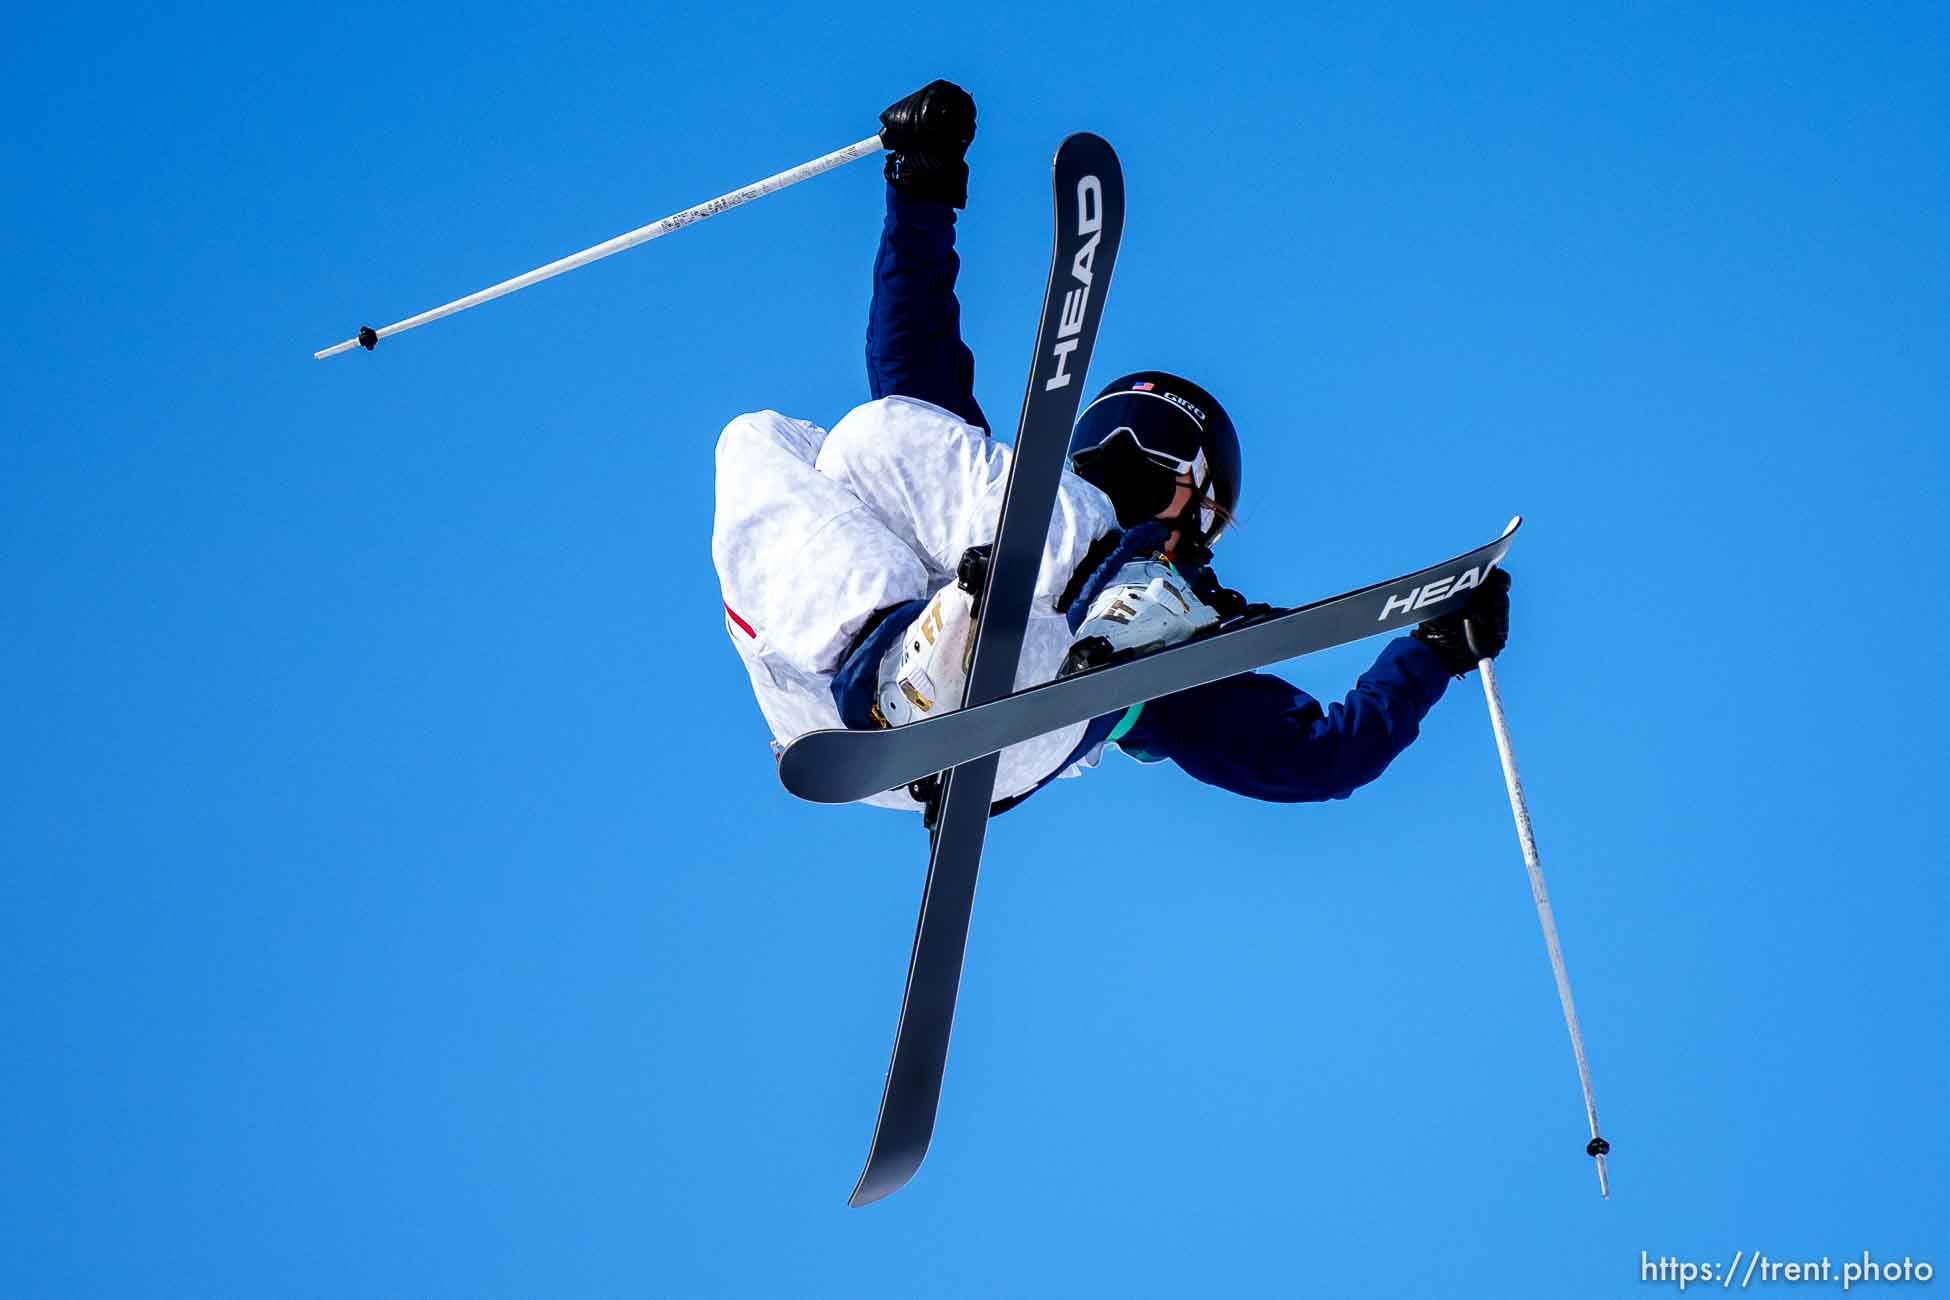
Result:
{"points": [[850, 561]]}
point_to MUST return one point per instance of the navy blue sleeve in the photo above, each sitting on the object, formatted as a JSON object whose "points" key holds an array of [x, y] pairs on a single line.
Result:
{"points": [[1257, 735], [914, 346]]}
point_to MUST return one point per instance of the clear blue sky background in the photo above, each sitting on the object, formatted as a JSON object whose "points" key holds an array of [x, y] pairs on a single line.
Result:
{"points": [[399, 899]]}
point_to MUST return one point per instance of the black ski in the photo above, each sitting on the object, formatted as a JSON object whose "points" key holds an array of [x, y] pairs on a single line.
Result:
{"points": [[841, 766], [1089, 188]]}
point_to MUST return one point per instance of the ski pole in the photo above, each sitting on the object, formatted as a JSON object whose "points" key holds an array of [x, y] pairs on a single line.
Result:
{"points": [[368, 337], [1597, 1147]]}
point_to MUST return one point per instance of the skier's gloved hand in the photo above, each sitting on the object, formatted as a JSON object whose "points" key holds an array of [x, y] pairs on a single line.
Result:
{"points": [[929, 133], [1207, 587], [1476, 631]]}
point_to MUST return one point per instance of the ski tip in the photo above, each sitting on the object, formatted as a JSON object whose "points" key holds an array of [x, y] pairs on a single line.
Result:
{"points": [[1511, 527], [1085, 142]]}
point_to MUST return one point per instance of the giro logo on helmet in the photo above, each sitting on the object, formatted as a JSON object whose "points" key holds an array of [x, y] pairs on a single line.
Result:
{"points": [[1177, 401]]}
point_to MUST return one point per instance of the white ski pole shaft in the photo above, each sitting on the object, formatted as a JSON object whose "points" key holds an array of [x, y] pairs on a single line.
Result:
{"points": [[1598, 1147], [368, 338]]}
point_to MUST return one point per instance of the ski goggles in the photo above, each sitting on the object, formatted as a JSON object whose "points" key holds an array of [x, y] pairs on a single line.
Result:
{"points": [[1139, 480], [1124, 442]]}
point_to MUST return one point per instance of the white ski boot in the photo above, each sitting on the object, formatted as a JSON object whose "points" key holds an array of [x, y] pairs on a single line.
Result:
{"points": [[927, 672], [1146, 606]]}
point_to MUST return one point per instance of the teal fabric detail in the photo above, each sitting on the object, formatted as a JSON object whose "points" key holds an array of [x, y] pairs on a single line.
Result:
{"points": [[1124, 724]]}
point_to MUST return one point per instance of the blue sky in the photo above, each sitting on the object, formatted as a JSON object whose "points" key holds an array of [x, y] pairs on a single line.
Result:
{"points": [[400, 900]]}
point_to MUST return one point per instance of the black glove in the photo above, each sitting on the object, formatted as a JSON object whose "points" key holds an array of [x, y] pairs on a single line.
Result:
{"points": [[1476, 631], [929, 132], [1206, 586]]}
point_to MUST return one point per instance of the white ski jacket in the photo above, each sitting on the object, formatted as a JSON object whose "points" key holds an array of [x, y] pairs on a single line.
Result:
{"points": [[815, 532]]}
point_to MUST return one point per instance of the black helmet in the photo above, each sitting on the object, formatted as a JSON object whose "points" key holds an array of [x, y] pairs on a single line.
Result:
{"points": [[1146, 429]]}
